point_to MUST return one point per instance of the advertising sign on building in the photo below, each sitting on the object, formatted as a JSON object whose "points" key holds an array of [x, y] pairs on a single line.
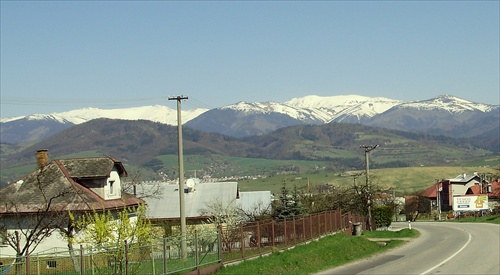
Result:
{"points": [[470, 203]]}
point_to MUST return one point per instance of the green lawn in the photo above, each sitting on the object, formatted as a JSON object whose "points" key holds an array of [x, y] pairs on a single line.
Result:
{"points": [[488, 219], [328, 252]]}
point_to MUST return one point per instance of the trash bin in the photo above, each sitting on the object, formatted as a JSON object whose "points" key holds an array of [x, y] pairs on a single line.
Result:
{"points": [[356, 230]]}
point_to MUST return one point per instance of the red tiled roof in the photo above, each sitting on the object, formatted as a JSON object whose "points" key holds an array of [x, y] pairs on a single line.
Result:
{"points": [[495, 189], [430, 192]]}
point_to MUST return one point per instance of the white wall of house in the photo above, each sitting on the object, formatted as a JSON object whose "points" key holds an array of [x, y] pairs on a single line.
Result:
{"points": [[109, 188], [113, 188], [55, 243], [461, 189]]}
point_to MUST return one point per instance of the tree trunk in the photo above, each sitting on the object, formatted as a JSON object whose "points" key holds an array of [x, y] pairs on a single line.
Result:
{"points": [[74, 258], [18, 264]]}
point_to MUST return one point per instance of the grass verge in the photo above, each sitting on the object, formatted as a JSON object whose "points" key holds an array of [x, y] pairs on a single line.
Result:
{"points": [[403, 233], [328, 252], [488, 219]]}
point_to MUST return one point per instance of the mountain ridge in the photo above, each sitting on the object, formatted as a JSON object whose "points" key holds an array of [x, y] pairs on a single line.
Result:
{"points": [[443, 114]]}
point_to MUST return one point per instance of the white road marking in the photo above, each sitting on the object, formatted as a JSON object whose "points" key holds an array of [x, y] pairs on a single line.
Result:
{"points": [[449, 258]]}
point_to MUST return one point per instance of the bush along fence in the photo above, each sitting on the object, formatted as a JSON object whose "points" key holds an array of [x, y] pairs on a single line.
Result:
{"points": [[254, 239], [206, 250]]}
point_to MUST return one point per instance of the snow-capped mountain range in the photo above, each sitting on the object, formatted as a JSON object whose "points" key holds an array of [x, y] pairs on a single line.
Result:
{"points": [[154, 113], [438, 115], [321, 109]]}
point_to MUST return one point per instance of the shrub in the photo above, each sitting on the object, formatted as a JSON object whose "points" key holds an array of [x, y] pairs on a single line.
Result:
{"points": [[382, 216]]}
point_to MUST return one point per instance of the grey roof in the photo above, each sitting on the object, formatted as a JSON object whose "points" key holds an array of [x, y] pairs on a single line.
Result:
{"points": [[464, 178], [255, 201], [167, 206], [99, 167], [56, 183]]}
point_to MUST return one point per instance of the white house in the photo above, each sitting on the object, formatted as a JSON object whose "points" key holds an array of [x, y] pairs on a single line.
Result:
{"points": [[43, 198]]}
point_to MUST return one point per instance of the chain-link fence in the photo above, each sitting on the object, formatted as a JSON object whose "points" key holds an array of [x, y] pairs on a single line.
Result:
{"points": [[161, 257], [203, 249]]}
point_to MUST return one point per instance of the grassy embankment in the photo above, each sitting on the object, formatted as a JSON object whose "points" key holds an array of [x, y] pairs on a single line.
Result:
{"points": [[487, 219], [325, 253]]}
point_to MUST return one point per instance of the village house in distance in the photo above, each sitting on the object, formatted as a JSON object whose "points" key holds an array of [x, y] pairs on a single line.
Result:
{"points": [[465, 193]]}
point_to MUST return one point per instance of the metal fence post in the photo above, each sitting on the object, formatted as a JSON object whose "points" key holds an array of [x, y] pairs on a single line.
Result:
{"points": [[196, 258], [304, 229], [28, 267], [82, 260], [165, 255], [258, 237], [242, 242], [326, 222], [91, 261], [311, 226], [272, 233], [126, 257], [284, 232], [219, 242]]}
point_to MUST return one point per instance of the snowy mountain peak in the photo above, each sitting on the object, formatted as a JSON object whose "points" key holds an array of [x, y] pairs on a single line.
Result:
{"points": [[314, 101], [321, 109], [448, 103]]}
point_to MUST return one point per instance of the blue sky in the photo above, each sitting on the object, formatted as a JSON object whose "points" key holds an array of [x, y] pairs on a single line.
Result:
{"points": [[62, 55]]}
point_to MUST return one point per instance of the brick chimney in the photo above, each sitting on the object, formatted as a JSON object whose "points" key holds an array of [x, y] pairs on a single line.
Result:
{"points": [[42, 158]]}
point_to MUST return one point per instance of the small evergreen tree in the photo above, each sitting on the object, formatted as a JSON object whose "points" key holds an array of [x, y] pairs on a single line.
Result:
{"points": [[288, 205]]}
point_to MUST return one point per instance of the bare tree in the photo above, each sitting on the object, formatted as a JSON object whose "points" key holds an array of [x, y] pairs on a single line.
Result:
{"points": [[257, 212], [140, 190], [28, 224], [227, 216], [415, 205]]}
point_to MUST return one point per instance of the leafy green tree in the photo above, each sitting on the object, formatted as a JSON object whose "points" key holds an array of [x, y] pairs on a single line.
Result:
{"points": [[109, 232]]}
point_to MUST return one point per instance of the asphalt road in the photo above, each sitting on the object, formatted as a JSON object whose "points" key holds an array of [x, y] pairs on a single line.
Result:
{"points": [[442, 248]]}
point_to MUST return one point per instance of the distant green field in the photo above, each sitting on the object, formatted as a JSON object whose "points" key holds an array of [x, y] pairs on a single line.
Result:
{"points": [[407, 180], [222, 166], [271, 174], [265, 174], [488, 161]]}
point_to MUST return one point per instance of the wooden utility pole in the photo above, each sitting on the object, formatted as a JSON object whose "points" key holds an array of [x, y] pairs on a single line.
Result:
{"points": [[368, 149], [438, 199], [181, 176]]}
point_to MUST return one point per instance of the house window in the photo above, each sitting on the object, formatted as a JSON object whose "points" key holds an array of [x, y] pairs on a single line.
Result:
{"points": [[51, 264], [111, 187]]}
